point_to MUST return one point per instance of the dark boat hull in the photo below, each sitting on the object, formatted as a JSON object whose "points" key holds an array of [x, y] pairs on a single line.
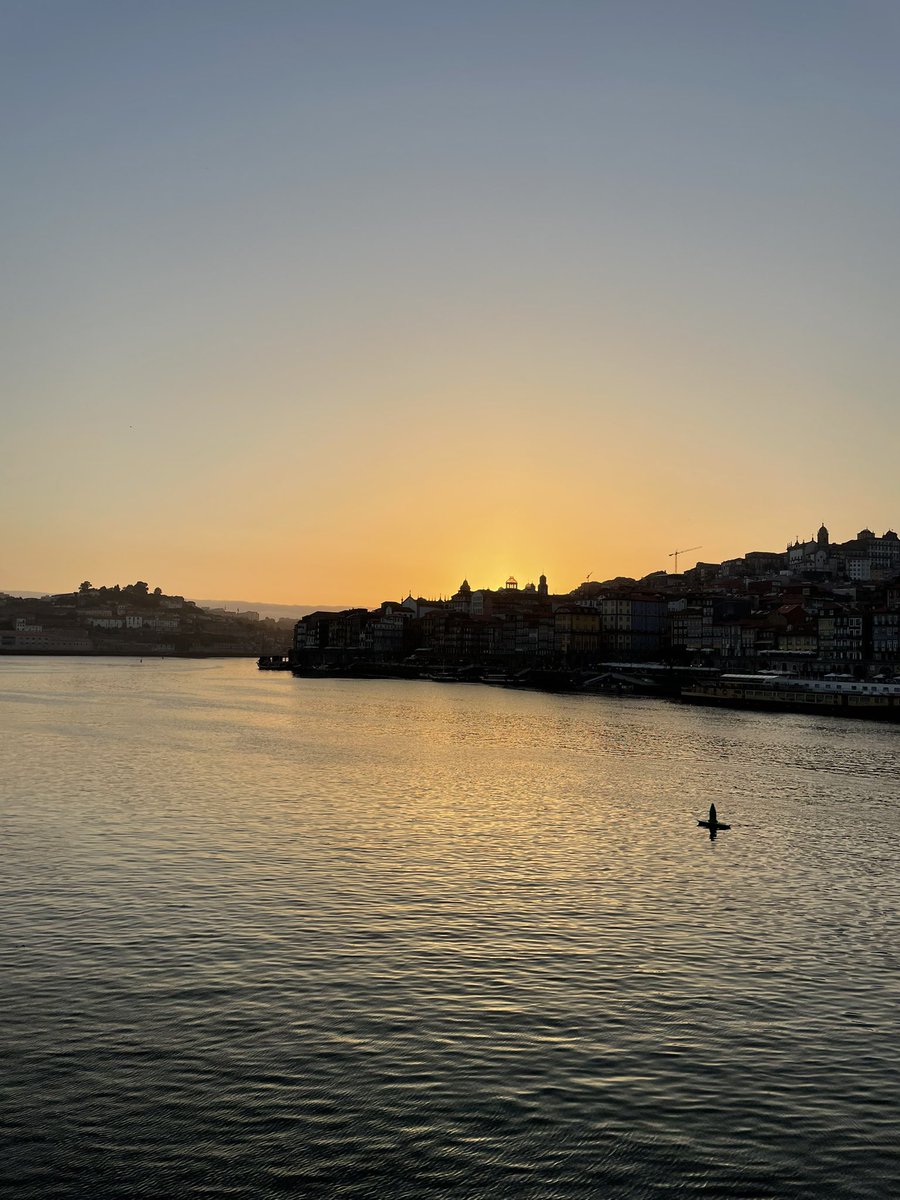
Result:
{"points": [[867, 708]]}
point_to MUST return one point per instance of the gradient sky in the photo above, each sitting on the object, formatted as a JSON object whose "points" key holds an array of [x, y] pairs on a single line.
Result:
{"points": [[319, 302]]}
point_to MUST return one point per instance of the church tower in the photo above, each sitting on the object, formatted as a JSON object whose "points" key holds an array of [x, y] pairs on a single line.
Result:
{"points": [[822, 537], [461, 601]]}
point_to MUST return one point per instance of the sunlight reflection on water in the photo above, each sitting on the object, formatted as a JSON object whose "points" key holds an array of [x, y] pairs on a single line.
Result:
{"points": [[384, 938]]}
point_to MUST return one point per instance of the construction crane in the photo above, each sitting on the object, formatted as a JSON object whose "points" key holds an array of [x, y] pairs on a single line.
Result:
{"points": [[684, 550]]}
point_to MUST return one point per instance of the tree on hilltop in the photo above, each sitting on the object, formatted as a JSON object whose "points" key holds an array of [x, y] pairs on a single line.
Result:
{"points": [[136, 589]]}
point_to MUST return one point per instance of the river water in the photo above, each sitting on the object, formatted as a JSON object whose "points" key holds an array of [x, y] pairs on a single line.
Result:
{"points": [[265, 936]]}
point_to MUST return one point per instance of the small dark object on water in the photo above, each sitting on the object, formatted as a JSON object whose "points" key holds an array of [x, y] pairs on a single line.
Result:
{"points": [[713, 824]]}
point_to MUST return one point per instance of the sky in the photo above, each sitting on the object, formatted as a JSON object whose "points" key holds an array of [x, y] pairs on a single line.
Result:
{"points": [[327, 301]]}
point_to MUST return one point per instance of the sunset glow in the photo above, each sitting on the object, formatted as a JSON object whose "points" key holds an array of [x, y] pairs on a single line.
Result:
{"points": [[325, 303]]}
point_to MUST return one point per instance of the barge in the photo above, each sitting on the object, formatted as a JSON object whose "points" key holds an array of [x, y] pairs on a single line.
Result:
{"points": [[779, 693]]}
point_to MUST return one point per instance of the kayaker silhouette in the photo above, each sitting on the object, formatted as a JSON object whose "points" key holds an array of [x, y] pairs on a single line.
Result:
{"points": [[713, 824]]}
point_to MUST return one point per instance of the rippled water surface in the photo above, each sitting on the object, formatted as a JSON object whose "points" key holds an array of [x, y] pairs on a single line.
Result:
{"points": [[266, 936]]}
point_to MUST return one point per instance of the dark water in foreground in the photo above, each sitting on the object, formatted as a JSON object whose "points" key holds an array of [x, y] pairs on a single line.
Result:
{"points": [[267, 937]]}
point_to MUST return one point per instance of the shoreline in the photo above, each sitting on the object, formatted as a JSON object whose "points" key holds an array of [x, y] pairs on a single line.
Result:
{"points": [[674, 688], [125, 654]]}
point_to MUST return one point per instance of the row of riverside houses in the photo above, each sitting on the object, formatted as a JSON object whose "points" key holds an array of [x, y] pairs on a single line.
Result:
{"points": [[815, 609]]}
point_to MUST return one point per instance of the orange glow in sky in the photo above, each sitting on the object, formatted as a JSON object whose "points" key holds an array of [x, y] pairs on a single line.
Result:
{"points": [[368, 299]]}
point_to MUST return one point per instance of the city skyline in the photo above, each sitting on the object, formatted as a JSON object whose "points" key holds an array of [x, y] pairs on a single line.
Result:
{"points": [[318, 303], [817, 537]]}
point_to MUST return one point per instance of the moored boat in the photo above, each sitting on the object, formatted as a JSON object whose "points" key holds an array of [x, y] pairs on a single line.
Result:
{"points": [[779, 693], [274, 662]]}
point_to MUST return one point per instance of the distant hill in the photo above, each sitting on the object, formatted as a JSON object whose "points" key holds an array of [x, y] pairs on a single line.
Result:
{"points": [[294, 611]]}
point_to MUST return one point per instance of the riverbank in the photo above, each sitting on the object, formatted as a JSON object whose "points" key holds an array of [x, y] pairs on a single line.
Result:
{"points": [[690, 685]]}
